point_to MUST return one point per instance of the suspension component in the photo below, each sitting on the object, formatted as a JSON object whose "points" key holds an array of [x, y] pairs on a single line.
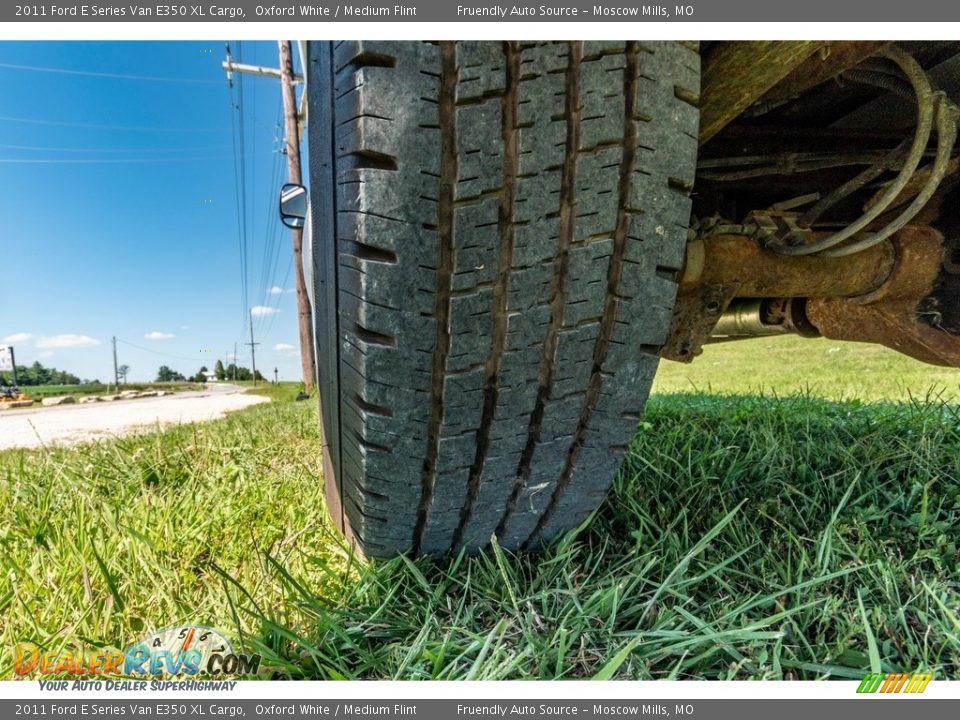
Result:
{"points": [[934, 109], [732, 288]]}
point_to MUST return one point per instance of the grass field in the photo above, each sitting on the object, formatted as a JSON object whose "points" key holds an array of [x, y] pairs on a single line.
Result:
{"points": [[746, 537], [824, 368]]}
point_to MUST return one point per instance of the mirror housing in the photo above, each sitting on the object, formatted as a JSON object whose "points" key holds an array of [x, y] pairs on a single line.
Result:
{"points": [[293, 205]]}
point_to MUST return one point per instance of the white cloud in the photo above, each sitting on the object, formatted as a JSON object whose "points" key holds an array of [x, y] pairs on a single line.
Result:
{"points": [[275, 290], [68, 340], [263, 311], [46, 354], [285, 349], [184, 327], [156, 335], [17, 338]]}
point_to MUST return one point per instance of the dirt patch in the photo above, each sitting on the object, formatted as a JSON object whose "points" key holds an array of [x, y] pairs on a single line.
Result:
{"points": [[69, 425]]}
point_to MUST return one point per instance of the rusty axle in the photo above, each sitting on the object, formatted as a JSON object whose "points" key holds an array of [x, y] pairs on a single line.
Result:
{"points": [[731, 287]]}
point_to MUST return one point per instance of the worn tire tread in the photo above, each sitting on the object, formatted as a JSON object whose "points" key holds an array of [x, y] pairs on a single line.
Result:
{"points": [[510, 221]]}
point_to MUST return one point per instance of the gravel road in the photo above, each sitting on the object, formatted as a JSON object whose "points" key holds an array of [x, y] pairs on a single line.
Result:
{"points": [[71, 424]]}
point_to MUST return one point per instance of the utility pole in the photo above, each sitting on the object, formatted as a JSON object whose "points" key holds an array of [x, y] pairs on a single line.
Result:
{"points": [[13, 366], [292, 146], [116, 373], [292, 151], [234, 362], [276, 381], [253, 351]]}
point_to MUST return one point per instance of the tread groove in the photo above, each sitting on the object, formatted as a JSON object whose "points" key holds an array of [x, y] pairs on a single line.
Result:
{"points": [[376, 447], [686, 96], [363, 251], [501, 288], [368, 59], [371, 337], [559, 281], [611, 301], [366, 159], [445, 224], [370, 407]]}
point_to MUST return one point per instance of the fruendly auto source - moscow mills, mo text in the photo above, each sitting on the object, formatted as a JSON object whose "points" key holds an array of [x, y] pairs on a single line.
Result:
{"points": [[572, 11]]}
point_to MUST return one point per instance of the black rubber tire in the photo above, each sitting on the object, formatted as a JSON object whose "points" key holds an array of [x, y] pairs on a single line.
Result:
{"points": [[497, 233]]}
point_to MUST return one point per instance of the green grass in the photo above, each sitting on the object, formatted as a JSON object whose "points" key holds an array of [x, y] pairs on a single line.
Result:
{"points": [[826, 368], [746, 537], [282, 391]]}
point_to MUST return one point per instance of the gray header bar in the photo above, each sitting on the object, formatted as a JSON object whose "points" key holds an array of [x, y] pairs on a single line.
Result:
{"points": [[577, 11]]}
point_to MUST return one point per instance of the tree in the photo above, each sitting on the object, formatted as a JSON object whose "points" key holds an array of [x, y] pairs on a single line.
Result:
{"points": [[165, 374], [40, 375], [242, 373], [37, 374], [122, 372], [219, 372]]}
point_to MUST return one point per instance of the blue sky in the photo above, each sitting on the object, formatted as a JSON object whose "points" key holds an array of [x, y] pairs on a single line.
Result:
{"points": [[119, 211]]}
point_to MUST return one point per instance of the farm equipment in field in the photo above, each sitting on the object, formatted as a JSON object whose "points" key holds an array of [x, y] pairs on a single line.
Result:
{"points": [[12, 396]]}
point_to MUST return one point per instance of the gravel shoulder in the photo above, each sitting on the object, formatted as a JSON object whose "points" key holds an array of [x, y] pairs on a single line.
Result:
{"points": [[72, 424]]}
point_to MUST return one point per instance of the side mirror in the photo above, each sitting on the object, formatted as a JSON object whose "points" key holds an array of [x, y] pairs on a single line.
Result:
{"points": [[293, 205]]}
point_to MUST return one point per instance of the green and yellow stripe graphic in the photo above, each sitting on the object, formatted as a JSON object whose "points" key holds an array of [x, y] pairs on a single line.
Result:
{"points": [[895, 682]]}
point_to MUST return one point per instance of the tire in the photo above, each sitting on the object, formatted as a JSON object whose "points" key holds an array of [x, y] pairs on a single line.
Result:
{"points": [[498, 229]]}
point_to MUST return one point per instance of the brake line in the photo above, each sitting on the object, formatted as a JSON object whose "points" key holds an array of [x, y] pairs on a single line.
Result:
{"points": [[927, 106]]}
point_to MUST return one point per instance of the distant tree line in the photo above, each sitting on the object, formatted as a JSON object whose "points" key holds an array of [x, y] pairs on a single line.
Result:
{"points": [[233, 372], [230, 372], [165, 374], [37, 374]]}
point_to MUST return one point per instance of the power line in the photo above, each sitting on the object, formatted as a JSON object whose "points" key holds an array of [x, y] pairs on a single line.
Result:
{"points": [[265, 257], [274, 315], [273, 236], [239, 171], [243, 182], [292, 150], [159, 352], [44, 148], [112, 76], [253, 160], [92, 126], [104, 161]]}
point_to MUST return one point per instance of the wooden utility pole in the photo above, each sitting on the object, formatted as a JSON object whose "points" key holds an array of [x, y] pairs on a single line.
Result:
{"points": [[13, 366], [116, 373], [292, 147], [253, 351]]}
